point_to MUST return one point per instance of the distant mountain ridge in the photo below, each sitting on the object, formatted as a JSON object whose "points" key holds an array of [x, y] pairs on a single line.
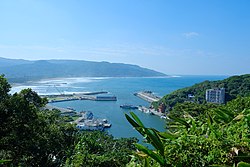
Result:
{"points": [[18, 70]]}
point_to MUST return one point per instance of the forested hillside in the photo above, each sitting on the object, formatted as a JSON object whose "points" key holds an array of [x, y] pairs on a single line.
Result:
{"points": [[235, 86], [23, 70]]}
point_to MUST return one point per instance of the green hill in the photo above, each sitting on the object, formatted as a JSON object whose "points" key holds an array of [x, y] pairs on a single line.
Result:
{"points": [[235, 86], [23, 70]]}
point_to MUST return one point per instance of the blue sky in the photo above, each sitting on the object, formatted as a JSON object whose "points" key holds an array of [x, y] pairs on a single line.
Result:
{"points": [[171, 36]]}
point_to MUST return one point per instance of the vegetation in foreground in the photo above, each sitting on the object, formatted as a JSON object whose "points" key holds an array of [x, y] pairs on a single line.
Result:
{"points": [[31, 136], [218, 137], [197, 135]]}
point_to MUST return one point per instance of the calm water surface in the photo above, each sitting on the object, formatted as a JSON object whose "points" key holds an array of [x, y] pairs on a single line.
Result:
{"points": [[123, 88]]}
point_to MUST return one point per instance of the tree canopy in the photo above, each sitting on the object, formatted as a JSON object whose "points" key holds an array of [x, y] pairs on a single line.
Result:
{"points": [[34, 136], [234, 86]]}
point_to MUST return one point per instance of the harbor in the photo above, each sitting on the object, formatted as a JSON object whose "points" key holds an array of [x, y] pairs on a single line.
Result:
{"points": [[85, 119], [123, 89], [95, 96], [150, 111], [87, 122], [150, 97], [147, 96]]}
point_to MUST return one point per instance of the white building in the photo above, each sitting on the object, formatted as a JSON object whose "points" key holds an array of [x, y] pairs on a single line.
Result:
{"points": [[215, 95]]}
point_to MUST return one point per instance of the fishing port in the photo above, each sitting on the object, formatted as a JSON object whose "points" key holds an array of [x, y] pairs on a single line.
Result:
{"points": [[150, 97], [85, 119], [88, 122], [147, 96], [150, 111], [95, 96]]}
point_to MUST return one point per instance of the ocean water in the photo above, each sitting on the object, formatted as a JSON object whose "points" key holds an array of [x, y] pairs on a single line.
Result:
{"points": [[123, 88]]}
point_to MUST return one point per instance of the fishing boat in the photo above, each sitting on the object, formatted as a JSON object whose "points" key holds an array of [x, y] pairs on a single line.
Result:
{"points": [[106, 98], [128, 106]]}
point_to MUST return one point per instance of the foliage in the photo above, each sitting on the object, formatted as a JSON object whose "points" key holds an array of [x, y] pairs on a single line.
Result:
{"points": [[234, 86], [30, 136], [220, 138], [100, 149], [152, 137], [34, 136], [4, 87], [189, 108]]}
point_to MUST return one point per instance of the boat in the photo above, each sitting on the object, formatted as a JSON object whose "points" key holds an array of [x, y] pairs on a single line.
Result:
{"points": [[128, 106], [106, 98], [93, 124], [145, 110], [163, 117], [90, 126], [107, 125], [87, 115]]}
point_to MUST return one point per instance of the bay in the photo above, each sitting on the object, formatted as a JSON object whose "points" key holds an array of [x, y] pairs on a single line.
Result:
{"points": [[123, 88]]}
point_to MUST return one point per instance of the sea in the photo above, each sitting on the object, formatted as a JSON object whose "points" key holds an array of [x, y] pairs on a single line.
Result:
{"points": [[123, 89]]}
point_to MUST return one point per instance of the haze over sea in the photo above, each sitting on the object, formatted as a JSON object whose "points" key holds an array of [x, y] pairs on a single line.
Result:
{"points": [[123, 88]]}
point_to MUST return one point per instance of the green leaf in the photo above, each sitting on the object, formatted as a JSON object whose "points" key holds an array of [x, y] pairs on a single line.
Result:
{"points": [[167, 135], [146, 162], [243, 164], [131, 121], [2, 161], [181, 121], [224, 115], [210, 119], [150, 153], [155, 140], [238, 117], [137, 119]]}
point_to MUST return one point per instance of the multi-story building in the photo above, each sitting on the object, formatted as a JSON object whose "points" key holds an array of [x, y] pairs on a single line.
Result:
{"points": [[215, 95]]}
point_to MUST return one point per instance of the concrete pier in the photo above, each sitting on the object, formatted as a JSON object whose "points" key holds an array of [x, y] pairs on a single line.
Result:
{"points": [[147, 96], [74, 96]]}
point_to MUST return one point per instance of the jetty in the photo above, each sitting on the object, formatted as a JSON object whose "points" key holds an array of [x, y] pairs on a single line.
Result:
{"points": [[80, 96], [147, 96]]}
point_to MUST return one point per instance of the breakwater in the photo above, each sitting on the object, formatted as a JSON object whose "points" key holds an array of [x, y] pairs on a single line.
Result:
{"points": [[147, 96], [80, 96]]}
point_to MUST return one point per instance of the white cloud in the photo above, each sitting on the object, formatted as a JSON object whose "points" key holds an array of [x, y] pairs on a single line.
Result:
{"points": [[190, 34]]}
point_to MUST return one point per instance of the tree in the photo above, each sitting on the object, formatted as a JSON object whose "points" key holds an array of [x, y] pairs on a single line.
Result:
{"points": [[31, 136], [4, 88], [100, 149], [34, 136], [222, 139]]}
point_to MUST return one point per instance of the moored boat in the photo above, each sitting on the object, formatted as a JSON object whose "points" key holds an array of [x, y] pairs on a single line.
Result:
{"points": [[106, 98], [128, 106]]}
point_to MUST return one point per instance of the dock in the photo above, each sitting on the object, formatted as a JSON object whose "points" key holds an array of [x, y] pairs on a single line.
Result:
{"points": [[74, 94], [150, 111], [147, 96], [83, 122], [80, 96]]}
